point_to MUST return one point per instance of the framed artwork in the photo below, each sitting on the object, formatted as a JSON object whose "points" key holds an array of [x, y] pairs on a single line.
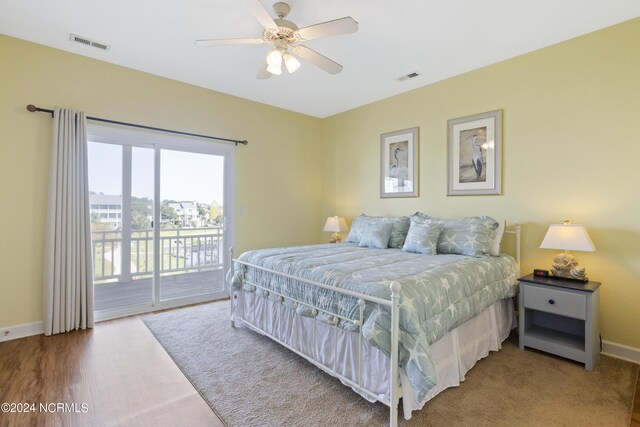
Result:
{"points": [[399, 163], [475, 154]]}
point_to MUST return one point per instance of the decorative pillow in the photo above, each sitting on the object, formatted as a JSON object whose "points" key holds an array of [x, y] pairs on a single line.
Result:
{"points": [[468, 236], [399, 231], [358, 225], [423, 235], [422, 215], [497, 239], [377, 235], [362, 223]]}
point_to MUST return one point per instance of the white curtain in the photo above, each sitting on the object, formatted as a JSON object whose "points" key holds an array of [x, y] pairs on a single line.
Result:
{"points": [[68, 271]]}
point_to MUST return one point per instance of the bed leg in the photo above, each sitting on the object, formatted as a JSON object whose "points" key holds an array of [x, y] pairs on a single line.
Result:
{"points": [[231, 296], [395, 359]]}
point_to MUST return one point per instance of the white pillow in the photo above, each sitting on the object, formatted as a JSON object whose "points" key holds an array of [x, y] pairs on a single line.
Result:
{"points": [[497, 239]]}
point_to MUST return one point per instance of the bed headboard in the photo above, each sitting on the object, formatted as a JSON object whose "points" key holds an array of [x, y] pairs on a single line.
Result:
{"points": [[515, 230]]}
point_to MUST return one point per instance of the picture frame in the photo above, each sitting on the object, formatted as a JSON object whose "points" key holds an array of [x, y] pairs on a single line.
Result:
{"points": [[475, 154], [399, 163]]}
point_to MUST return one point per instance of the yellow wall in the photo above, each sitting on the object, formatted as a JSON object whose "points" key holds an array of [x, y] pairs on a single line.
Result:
{"points": [[571, 121], [278, 175]]}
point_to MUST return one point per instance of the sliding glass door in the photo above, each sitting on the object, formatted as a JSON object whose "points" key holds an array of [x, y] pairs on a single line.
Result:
{"points": [[160, 230], [192, 226]]}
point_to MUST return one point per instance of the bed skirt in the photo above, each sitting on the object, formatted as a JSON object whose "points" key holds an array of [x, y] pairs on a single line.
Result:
{"points": [[454, 354]]}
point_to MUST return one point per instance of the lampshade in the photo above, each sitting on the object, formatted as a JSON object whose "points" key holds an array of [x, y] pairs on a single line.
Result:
{"points": [[335, 224], [291, 63], [568, 237], [274, 59]]}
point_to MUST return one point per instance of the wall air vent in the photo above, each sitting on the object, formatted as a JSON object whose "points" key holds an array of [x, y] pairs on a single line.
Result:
{"points": [[79, 39], [408, 76]]}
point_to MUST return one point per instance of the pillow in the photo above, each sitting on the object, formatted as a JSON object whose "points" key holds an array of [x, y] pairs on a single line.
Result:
{"points": [[362, 222], [468, 236], [376, 235], [399, 231], [358, 225], [497, 239], [422, 215], [423, 236]]}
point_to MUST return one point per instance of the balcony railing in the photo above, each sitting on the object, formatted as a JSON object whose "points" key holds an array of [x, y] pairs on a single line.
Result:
{"points": [[181, 250]]}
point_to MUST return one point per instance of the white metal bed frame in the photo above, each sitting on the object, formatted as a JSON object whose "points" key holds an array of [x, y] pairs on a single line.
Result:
{"points": [[395, 390]]}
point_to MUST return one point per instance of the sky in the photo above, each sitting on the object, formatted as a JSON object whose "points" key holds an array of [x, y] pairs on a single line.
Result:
{"points": [[184, 176]]}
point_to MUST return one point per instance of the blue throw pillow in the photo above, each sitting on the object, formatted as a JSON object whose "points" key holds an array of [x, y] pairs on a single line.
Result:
{"points": [[363, 222], [423, 236], [468, 236], [376, 235], [399, 231]]}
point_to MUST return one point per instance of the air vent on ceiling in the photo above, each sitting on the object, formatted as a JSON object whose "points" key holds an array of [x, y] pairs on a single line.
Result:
{"points": [[408, 76], [79, 39]]}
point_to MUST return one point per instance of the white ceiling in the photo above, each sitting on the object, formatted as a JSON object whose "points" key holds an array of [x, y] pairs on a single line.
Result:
{"points": [[437, 38]]}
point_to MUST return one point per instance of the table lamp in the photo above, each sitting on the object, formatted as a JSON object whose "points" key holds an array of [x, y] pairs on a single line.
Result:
{"points": [[568, 237], [337, 225]]}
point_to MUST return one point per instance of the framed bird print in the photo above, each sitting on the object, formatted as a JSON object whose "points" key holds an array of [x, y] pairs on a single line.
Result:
{"points": [[399, 163], [475, 154]]}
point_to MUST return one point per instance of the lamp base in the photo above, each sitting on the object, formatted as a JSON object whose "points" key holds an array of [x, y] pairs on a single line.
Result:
{"points": [[335, 238], [565, 266]]}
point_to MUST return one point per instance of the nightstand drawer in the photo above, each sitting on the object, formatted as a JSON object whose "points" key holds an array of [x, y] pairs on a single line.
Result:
{"points": [[562, 303]]}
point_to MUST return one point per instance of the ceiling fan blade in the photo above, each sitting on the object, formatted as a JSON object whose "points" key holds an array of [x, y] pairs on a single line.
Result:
{"points": [[330, 28], [257, 9], [262, 72], [317, 59], [223, 42]]}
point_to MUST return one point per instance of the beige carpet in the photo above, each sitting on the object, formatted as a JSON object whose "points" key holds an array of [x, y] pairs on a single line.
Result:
{"points": [[248, 380]]}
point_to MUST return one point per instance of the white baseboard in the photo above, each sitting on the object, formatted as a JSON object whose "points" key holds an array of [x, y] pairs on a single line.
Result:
{"points": [[619, 351], [20, 331]]}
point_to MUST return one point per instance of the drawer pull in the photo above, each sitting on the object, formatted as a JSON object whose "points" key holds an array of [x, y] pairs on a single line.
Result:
{"points": [[551, 302]]}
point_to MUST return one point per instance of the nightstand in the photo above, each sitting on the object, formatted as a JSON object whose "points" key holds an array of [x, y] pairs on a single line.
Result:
{"points": [[561, 317]]}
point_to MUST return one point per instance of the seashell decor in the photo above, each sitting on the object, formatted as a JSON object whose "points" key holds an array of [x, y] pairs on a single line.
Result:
{"points": [[566, 265]]}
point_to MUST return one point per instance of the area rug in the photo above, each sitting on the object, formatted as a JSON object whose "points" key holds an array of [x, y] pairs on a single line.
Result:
{"points": [[248, 380]]}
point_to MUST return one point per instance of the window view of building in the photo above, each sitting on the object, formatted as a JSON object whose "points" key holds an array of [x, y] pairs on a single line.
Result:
{"points": [[106, 209]]}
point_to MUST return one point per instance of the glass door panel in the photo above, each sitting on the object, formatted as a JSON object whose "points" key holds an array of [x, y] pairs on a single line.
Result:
{"points": [[121, 205], [191, 228]]}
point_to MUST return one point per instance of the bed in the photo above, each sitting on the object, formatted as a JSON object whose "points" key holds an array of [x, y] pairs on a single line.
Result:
{"points": [[388, 322]]}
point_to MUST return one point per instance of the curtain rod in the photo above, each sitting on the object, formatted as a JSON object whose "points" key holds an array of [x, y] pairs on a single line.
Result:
{"points": [[33, 109]]}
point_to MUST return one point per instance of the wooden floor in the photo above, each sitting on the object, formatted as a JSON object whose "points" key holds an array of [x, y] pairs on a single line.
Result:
{"points": [[122, 294], [118, 371]]}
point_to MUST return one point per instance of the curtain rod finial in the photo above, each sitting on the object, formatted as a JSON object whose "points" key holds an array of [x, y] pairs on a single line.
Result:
{"points": [[32, 108]]}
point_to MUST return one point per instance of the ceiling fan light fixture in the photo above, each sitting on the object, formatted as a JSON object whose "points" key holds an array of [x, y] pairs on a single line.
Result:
{"points": [[274, 60], [291, 63], [274, 70]]}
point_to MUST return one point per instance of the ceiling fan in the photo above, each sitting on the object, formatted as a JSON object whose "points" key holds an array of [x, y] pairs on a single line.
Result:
{"points": [[284, 35]]}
